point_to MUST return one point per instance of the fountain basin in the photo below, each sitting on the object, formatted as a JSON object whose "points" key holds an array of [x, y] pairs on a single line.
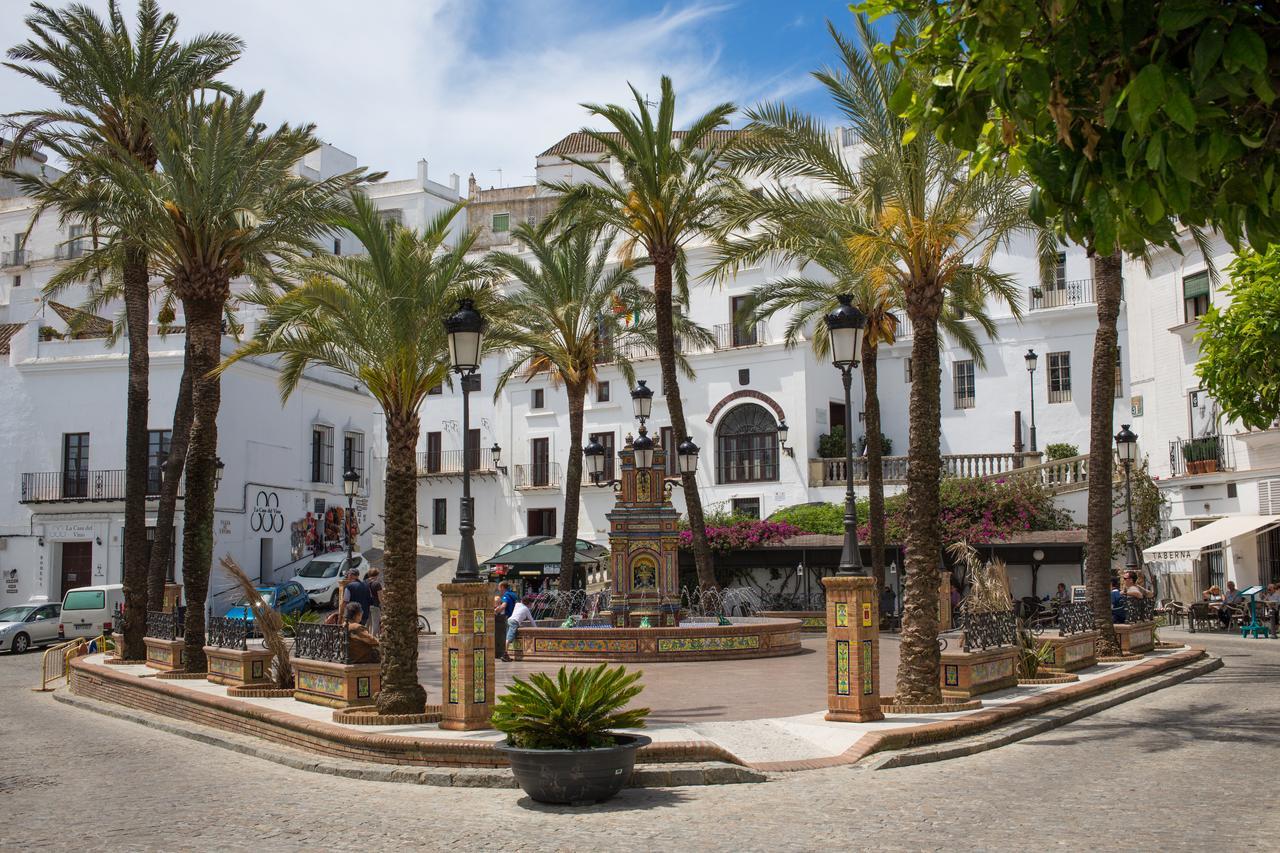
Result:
{"points": [[694, 639]]}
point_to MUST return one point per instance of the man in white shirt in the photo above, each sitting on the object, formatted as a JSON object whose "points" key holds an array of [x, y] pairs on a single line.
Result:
{"points": [[520, 615]]}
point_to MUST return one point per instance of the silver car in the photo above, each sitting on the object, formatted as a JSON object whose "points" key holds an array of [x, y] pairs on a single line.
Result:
{"points": [[28, 625]]}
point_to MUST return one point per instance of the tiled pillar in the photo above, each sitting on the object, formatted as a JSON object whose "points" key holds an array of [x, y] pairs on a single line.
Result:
{"points": [[853, 649], [467, 656]]}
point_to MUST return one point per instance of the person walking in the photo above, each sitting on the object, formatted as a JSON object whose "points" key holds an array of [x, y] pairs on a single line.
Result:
{"points": [[520, 615], [503, 604], [374, 582], [358, 593]]}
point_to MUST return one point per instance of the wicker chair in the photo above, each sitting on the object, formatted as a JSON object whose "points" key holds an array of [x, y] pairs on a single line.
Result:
{"points": [[1201, 617]]}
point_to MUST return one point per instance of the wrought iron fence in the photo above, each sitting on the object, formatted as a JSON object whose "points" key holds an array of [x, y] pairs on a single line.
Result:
{"points": [[163, 626], [989, 630], [1074, 618], [227, 633], [1139, 610], [315, 641]]}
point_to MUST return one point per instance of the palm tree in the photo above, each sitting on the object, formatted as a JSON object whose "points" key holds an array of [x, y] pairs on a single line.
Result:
{"points": [[931, 233], [378, 318], [225, 202], [110, 82], [570, 316], [811, 229], [671, 192]]}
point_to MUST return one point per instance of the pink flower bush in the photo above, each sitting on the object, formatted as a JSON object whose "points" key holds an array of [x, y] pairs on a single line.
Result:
{"points": [[742, 535]]}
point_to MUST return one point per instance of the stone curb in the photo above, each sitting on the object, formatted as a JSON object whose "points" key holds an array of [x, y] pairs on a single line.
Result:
{"points": [[1038, 723], [645, 776]]}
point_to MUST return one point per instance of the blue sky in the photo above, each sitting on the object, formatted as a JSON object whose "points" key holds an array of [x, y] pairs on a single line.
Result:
{"points": [[482, 85]]}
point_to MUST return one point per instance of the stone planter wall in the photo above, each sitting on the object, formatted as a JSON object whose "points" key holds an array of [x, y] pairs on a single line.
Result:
{"points": [[968, 674], [747, 637], [165, 655], [337, 685], [239, 667], [1075, 651], [1137, 638], [811, 621]]}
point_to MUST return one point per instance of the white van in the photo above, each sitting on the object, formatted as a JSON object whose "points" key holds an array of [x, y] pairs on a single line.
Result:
{"points": [[88, 611]]}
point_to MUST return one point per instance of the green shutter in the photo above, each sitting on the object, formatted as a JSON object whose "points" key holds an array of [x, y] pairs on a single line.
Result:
{"points": [[501, 222], [1195, 285]]}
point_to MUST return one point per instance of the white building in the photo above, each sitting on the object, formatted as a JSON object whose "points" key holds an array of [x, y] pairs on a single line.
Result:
{"points": [[62, 426], [1222, 480], [745, 385]]}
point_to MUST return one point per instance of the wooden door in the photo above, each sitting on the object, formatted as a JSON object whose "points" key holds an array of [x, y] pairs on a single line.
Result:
{"points": [[77, 565], [540, 461]]}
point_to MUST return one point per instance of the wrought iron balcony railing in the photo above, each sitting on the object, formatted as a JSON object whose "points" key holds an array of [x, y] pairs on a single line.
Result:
{"points": [[735, 335], [1204, 455], [539, 475], [1061, 294], [82, 485], [449, 463], [15, 258]]}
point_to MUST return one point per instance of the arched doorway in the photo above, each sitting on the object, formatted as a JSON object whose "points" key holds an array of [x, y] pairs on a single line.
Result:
{"points": [[747, 446]]}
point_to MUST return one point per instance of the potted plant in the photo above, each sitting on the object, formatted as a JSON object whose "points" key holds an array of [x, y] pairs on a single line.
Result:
{"points": [[561, 738], [1209, 454], [1191, 455]]}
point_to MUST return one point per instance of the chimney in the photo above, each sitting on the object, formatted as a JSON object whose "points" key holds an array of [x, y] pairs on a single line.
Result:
{"points": [[422, 173], [454, 182], [472, 186]]}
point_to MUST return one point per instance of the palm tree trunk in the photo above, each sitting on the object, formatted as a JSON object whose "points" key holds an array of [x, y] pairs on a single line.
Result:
{"points": [[919, 655], [663, 315], [401, 693], [137, 316], [875, 464], [572, 487], [1102, 402], [157, 572], [204, 341]]}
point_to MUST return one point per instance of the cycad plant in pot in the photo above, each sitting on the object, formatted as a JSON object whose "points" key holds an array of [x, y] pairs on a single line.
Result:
{"points": [[561, 733]]}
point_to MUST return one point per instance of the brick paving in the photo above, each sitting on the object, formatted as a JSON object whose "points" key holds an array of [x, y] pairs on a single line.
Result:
{"points": [[1148, 774]]}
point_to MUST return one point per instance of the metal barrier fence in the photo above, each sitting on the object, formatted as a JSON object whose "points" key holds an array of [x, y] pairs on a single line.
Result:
{"points": [[224, 633], [55, 663], [330, 643]]}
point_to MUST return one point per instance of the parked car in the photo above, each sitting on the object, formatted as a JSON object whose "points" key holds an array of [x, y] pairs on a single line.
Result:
{"points": [[28, 625], [284, 598], [87, 611], [320, 577]]}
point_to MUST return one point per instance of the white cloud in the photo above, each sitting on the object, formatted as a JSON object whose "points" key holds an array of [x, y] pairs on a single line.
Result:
{"points": [[395, 80]]}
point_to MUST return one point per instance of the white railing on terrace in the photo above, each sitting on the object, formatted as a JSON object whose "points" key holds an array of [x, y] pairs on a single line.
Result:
{"points": [[831, 472]]}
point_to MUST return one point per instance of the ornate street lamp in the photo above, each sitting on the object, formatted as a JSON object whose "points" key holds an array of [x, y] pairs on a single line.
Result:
{"points": [[350, 485], [496, 453], [1127, 450], [845, 327], [687, 456], [783, 432], [643, 447], [465, 328], [642, 401], [1031, 358], [218, 466]]}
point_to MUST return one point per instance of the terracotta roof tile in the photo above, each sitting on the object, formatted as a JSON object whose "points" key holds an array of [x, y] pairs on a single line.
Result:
{"points": [[7, 331], [580, 143], [81, 323]]}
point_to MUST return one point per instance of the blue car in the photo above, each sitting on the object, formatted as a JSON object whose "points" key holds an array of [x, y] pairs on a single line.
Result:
{"points": [[284, 598]]}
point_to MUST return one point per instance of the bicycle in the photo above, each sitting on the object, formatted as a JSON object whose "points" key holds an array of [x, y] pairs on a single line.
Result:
{"points": [[424, 625]]}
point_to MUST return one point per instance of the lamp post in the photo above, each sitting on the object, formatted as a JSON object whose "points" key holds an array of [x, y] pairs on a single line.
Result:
{"points": [[1031, 358], [465, 328], [350, 483], [1127, 450], [783, 432], [642, 446], [218, 467], [845, 326]]}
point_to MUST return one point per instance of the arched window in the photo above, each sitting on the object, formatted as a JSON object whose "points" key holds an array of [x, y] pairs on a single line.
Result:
{"points": [[747, 446]]}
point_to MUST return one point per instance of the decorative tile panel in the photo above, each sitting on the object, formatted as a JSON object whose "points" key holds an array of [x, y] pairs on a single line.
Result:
{"points": [[866, 614], [453, 621], [478, 694], [992, 670], [320, 682], [455, 674], [951, 675], [362, 687], [223, 666], [708, 644], [589, 645], [477, 621], [868, 674], [842, 667], [842, 614]]}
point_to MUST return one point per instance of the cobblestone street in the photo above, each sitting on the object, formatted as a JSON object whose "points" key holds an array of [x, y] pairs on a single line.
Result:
{"points": [[1151, 773]]}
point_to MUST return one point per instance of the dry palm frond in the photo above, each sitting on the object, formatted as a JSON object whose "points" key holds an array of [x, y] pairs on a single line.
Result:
{"points": [[268, 622], [988, 582]]}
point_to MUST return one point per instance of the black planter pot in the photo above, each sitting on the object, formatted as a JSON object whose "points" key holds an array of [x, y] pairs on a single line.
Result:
{"points": [[574, 776]]}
